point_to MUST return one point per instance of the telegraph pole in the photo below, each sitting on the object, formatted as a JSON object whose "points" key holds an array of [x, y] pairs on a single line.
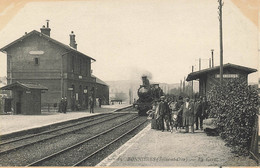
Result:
{"points": [[221, 40], [192, 69], [199, 63], [61, 76], [212, 57], [181, 86], [184, 85]]}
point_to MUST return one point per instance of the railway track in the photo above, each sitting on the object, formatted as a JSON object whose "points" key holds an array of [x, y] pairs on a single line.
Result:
{"points": [[29, 148], [82, 152], [90, 160], [17, 143], [30, 135]]}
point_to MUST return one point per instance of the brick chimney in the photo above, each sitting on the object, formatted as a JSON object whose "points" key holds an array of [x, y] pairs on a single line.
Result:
{"points": [[72, 40], [46, 30]]}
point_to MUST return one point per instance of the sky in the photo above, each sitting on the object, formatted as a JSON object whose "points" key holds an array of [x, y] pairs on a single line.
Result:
{"points": [[129, 38]]}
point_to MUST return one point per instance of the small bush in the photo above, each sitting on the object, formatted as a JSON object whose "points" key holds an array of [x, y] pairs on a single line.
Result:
{"points": [[235, 106]]}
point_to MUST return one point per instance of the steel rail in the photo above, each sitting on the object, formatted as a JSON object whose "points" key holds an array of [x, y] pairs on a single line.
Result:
{"points": [[36, 163], [50, 131], [54, 136], [110, 143]]}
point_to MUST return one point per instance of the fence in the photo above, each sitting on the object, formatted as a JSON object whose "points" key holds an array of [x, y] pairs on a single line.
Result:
{"points": [[50, 107]]}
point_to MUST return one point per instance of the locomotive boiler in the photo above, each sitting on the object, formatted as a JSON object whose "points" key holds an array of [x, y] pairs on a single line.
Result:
{"points": [[147, 93]]}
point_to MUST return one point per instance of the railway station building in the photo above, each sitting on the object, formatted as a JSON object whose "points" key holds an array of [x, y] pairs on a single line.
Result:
{"points": [[36, 58], [26, 97], [102, 90], [210, 76]]}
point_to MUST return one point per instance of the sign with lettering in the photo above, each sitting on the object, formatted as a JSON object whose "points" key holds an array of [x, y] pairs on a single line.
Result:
{"points": [[36, 52], [227, 76]]}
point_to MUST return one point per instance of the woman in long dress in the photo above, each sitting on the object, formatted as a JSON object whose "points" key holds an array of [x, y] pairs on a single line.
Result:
{"points": [[152, 115], [188, 115], [179, 113], [174, 114]]}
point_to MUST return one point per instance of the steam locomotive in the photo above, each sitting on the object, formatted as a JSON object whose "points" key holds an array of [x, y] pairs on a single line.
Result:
{"points": [[147, 93]]}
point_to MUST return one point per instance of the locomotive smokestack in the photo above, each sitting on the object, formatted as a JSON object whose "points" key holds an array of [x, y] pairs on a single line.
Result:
{"points": [[145, 81]]}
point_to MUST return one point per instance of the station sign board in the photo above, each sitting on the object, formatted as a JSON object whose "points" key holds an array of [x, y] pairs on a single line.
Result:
{"points": [[227, 76], [36, 52]]}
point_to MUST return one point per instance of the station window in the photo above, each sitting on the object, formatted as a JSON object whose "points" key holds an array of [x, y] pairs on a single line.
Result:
{"points": [[36, 61]]}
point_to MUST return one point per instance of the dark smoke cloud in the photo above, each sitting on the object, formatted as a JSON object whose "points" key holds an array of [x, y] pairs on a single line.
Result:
{"points": [[137, 73], [148, 74]]}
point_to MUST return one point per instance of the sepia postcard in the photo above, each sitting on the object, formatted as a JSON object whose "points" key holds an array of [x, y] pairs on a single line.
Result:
{"points": [[129, 83]]}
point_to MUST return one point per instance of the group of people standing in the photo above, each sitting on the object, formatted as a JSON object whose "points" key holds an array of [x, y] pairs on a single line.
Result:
{"points": [[182, 113], [63, 105]]}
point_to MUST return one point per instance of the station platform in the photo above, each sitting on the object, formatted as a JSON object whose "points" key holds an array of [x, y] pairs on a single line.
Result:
{"points": [[148, 148], [156, 148], [14, 123]]}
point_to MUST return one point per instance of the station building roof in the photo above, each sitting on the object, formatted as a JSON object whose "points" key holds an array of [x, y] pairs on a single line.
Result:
{"points": [[99, 81], [198, 74], [35, 32], [27, 86]]}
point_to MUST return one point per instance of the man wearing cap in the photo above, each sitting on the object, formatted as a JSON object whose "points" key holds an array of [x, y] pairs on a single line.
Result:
{"points": [[198, 113], [161, 113]]}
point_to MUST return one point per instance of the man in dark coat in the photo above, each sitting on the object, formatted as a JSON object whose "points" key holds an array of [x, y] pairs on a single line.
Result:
{"points": [[65, 104], [61, 105], [91, 105], [99, 102], [161, 113], [204, 106], [198, 114]]}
